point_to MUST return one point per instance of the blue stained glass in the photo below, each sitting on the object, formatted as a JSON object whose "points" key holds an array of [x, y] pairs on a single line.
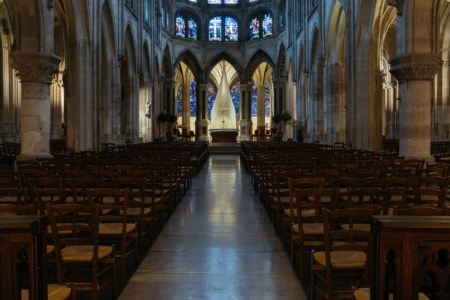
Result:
{"points": [[254, 28], [267, 101], [281, 20], [267, 25], [193, 99], [180, 101], [211, 98], [235, 96], [231, 30], [254, 95], [180, 26], [230, 1], [214, 1], [192, 30], [215, 29]]}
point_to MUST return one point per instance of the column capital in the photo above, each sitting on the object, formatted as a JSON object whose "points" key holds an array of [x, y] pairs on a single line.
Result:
{"points": [[446, 64], [415, 66], [35, 67]]}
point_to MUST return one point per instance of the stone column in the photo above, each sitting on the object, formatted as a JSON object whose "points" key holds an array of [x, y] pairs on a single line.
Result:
{"points": [[389, 109], [245, 123], [35, 71], [261, 105], [446, 100], [418, 60], [186, 103], [202, 123], [415, 73], [169, 92]]}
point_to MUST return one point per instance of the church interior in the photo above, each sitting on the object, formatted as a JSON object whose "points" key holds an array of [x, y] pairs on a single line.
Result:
{"points": [[225, 149]]}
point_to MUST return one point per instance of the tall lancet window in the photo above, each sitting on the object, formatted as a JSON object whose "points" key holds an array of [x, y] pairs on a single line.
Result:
{"points": [[231, 30], [180, 101], [215, 29], [211, 98], [267, 101], [235, 95], [261, 24], [193, 99], [186, 25], [254, 28], [180, 25]]}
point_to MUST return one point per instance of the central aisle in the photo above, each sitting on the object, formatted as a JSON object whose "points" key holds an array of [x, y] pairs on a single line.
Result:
{"points": [[219, 244]]}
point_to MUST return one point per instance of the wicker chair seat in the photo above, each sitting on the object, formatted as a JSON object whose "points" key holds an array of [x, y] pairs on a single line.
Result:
{"points": [[342, 259]]}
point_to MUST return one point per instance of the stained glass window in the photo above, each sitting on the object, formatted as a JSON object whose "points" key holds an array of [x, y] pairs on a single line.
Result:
{"points": [[162, 15], [180, 101], [180, 25], [267, 101], [267, 25], [193, 99], [231, 30], [253, 1], [215, 29], [254, 100], [235, 95], [211, 98], [281, 20], [192, 30], [214, 1], [254, 28], [193, 1]]}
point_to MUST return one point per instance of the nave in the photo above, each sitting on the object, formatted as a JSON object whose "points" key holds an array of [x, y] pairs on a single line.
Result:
{"points": [[218, 244]]}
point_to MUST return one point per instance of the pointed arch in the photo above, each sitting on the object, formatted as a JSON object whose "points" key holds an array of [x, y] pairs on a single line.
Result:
{"points": [[192, 62], [281, 61], [130, 49], [227, 57], [259, 57]]}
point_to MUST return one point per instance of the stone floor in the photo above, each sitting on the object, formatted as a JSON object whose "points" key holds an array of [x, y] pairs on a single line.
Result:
{"points": [[219, 244]]}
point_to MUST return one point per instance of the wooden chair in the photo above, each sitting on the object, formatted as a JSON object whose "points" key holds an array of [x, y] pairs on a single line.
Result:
{"points": [[426, 197], [345, 250], [16, 196], [82, 247], [293, 184], [116, 226], [307, 227], [54, 196], [137, 210]]}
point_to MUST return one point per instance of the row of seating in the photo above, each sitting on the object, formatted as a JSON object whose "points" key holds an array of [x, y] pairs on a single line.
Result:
{"points": [[101, 206], [321, 202]]}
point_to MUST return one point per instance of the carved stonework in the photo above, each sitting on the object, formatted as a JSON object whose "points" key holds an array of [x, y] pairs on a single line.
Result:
{"points": [[32, 67], [399, 4], [35, 71], [415, 66], [446, 64]]}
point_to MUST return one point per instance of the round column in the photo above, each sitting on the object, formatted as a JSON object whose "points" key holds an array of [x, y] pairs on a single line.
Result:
{"points": [[415, 73], [35, 71]]}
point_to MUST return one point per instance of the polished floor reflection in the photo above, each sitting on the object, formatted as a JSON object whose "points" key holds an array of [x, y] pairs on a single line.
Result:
{"points": [[219, 244]]}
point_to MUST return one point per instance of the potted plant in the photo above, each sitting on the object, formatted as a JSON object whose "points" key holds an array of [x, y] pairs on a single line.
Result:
{"points": [[162, 118], [286, 116], [277, 118]]}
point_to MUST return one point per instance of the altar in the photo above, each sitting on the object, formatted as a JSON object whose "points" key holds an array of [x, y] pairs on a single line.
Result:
{"points": [[223, 115], [224, 135]]}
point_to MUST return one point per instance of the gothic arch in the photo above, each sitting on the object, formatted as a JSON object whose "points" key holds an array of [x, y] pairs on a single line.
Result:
{"points": [[167, 62], [281, 61], [130, 49], [259, 57], [192, 62], [227, 57]]}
